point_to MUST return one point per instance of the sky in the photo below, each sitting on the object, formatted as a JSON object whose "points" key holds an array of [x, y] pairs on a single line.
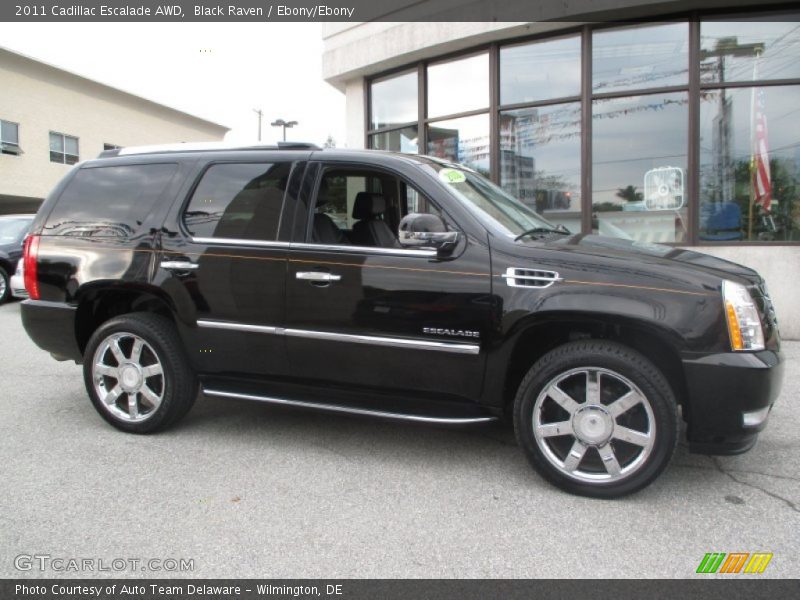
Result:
{"points": [[220, 72]]}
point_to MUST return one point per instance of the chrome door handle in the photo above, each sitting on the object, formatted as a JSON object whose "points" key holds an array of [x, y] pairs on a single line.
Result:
{"points": [[318, 276], [179, 265]]}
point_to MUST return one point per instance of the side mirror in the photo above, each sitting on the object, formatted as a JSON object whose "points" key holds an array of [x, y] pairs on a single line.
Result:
{"points": [[426, 230]]}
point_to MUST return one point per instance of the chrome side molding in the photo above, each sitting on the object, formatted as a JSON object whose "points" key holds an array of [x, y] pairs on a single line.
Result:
{"points": [[345, 249], [350, 410], [240, 327], [453, 347]]}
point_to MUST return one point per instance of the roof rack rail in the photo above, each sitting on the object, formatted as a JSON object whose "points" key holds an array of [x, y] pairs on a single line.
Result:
{"points": [[204, 147], [298, 146]]}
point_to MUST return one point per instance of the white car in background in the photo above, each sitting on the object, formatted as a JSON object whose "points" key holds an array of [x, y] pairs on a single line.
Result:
{"points": [[17, 282]]}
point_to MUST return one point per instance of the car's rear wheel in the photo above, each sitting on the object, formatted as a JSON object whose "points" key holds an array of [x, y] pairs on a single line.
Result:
{"points": [[5, 288], [137, 374], [596, 418]]}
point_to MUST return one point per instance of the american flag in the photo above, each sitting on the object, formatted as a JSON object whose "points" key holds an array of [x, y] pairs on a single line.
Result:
{"points": [[762, 185]]}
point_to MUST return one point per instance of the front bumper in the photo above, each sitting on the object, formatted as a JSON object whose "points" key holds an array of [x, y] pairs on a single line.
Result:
{"points": [[729, 398]]}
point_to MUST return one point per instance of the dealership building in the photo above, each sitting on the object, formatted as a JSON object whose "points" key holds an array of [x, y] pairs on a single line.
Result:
{"points": [[681, 129], [51, 119]]}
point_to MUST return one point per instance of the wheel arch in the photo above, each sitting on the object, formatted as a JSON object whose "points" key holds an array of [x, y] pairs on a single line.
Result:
{"points": [[539, 335], [99, 303]]}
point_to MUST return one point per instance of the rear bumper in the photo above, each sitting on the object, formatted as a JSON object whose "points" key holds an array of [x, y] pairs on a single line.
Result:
{"points": [[729, 399], [51, 326]]}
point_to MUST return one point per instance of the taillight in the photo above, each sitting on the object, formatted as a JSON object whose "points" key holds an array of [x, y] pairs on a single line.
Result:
{"points": [[30, 255]]}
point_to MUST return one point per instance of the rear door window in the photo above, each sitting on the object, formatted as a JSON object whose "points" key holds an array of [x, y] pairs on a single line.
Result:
{"points": [[238, 201], [109, 201]]}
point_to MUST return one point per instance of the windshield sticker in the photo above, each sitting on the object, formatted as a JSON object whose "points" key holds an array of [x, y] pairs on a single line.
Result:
{"points": [[452, 176]]}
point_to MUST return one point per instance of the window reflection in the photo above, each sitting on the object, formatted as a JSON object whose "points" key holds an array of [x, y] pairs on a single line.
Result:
{"points": [[464, 140], [640, 57], [750, 164], [540, 71], [398, 140], [458, 86], [639, 164], [394, 100], [748, 50], [238, 201], [540, 160]]}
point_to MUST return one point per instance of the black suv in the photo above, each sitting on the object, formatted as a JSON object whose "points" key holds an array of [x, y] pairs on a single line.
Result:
{"points": [[399, 286]]}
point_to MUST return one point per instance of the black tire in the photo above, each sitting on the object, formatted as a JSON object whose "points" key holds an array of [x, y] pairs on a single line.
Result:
{"points": [[5, 286], [177, 383], [615, 364]]}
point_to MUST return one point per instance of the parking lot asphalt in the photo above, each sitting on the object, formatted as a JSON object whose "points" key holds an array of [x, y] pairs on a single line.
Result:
{"points": [[249, 490]]}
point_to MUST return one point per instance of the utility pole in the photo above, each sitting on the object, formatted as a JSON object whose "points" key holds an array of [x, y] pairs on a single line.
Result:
{"points": [[284, 124], [260, 113]]}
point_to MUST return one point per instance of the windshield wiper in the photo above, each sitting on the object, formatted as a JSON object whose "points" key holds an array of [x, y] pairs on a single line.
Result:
{"points": [[560, 229]]}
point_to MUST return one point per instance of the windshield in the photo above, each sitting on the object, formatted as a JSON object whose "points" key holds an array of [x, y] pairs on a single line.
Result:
{"points": [[497, 209], [12, 230]]}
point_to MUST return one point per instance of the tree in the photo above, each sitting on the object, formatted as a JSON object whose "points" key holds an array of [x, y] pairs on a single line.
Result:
{"points": [[630, 194], [330, 142], [605, 207]]}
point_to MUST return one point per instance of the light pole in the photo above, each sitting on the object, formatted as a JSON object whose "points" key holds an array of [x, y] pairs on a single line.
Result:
{"points": [[284, 124], [260, 113]]}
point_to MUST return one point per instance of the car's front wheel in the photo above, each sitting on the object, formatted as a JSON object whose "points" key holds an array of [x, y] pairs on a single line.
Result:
{"points": [[137, 374], [596, 418]]}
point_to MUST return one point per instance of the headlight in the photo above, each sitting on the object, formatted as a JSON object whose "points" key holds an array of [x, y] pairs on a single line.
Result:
{"points": [[744, 324]]}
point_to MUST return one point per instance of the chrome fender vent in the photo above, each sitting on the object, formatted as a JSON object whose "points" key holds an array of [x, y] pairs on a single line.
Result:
{"points": [[534, 278]]}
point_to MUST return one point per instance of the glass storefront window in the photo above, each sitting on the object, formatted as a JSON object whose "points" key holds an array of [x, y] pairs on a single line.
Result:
{"points": [[394, 101], [458, 86], [397, 140], [540, 71], [540, 160], [640, 57], [745, 174], [464, 140], [750, 164], [748, 50], [639, 151]]}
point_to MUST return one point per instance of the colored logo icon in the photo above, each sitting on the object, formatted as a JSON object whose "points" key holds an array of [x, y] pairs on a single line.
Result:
{"points": [[735, 562]]}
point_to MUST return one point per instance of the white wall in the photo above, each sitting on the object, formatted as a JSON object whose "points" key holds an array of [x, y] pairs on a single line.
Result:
{"points": [[367, 48], [355, 112], [42, 99]]}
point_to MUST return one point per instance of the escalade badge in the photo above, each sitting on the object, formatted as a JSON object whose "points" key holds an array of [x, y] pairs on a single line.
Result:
{"points": [[455, 332]]}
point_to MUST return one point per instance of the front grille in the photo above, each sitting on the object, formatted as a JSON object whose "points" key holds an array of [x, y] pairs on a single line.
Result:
{"points": [[764, 302]]}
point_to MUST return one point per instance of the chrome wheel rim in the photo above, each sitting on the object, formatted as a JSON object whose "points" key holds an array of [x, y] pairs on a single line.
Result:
{"points": [[3, 286], [128, 377], [594, 425]]}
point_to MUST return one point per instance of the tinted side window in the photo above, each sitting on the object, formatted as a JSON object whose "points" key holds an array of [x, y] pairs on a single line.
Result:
{"points": [[109, 201], [238, 201]]}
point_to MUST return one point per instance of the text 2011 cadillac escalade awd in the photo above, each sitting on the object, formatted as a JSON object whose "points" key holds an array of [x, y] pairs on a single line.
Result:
{"points": [[399, 286]]}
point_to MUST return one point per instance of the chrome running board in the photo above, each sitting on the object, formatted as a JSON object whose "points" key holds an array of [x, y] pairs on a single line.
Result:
{"points": [[351, 410]]}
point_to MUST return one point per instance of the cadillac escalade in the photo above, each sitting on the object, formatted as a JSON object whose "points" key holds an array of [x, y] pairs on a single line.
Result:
{"points": [[398, 286]]}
